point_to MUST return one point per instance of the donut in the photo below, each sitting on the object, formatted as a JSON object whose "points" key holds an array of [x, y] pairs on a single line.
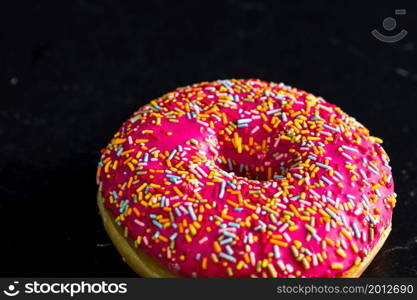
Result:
{"points": [[245, 178]]}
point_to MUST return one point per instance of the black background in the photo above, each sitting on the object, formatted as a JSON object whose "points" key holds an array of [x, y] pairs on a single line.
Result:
{"points": [[72, 72]]}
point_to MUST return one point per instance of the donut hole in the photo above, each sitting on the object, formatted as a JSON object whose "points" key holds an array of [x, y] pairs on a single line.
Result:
{"points": [[260, 159]]}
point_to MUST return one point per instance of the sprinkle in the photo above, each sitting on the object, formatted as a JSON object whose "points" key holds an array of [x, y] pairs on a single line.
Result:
{"points": [[222, 189], [324, 178], [227, 257], [172, 154], [332, 214], [356, 230], [273, 111], [226, 241], [341, 253], [272, 271], [266, 127], [157, 224], [177, 191], [323, 166], [337, 266], [372, 219], [243, 121], [350, 148], [192, 213], [276, 251], [331, 128]]}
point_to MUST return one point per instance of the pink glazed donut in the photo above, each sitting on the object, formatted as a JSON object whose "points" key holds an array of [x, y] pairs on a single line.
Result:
{"points": [[245, 178]]}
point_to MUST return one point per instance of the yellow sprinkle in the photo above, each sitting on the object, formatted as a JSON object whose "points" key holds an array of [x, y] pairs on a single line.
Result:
{"points": [[346, 234], [141, 187], [329, 241], [279, 243], [266, 127], [163, 238], [204, 263], [341, 253], [337, 266], [294, 210], [272, 271], [217, 247], [141, 141], [177, 191], [354, 247], [240, 265]]}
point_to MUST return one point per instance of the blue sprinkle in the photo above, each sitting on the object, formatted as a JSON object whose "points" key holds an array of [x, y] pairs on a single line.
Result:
{"points": [[226, 241], [123, 206], [308, 252], [227, 257], [373, 221], [233, 224], [332, 214], [172, 154], [326, 180], [356, 230], [270, 112], [350, 148], [231, 184], [178, 212], [229, 249], [240, 121], [229, 234], [145, 157], [331, 128], [316, 237], [323, 165], [192, 213], [157, 224], [119, 151]]}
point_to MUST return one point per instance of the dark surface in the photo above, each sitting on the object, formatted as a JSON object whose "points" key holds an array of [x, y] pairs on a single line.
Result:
{"points": [[70, 74]]}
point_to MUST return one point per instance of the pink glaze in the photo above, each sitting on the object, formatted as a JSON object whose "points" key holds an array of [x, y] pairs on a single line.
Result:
{"points": [[316, 212]]}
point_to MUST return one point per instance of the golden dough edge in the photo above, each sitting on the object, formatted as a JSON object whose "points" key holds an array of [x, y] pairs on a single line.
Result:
{"points": [[146, 266]]}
